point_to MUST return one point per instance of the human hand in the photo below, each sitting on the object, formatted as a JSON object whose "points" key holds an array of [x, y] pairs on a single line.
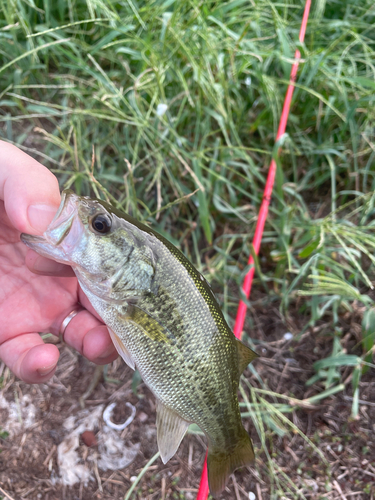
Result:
{"points": [[37, 294]]}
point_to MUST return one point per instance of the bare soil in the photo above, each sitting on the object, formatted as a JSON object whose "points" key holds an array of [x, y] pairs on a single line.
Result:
{"points": [[35, 419]]}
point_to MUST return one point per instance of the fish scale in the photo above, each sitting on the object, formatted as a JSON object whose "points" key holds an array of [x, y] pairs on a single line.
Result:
{"points": [[163, 319]]}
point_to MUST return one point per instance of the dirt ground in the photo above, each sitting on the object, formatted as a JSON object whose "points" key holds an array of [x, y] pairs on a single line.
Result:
{"points": [[43, 451]]}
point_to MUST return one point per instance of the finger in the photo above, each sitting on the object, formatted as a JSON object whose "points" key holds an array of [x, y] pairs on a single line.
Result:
{"points": [[47, 267], [98, 347], [29, 358], [90, 337], [30, 191], [4, 217]]}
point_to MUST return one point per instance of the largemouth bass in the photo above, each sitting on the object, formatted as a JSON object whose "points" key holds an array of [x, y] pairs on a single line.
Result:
{"points": [[163, 319]]}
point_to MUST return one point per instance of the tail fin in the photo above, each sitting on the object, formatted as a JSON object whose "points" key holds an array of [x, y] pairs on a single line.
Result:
{"points": [[221, 464]]}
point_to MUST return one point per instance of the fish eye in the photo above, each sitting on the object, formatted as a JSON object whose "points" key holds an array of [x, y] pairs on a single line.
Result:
{"points": [[101, 223]]}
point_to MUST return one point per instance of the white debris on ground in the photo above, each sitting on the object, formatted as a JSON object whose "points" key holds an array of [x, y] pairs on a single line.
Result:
{"points": [[71, 466], [21, 414], [113, 453], [71, 470], [118, 427]]}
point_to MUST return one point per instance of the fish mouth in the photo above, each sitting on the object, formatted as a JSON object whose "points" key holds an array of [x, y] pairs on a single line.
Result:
{"points": [[62, 222], [30, 239], [49, 244], [61, 206]]}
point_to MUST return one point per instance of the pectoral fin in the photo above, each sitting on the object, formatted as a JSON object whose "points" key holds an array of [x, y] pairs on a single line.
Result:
{"points": [[245, 356], [171, 429], [121, 349]]}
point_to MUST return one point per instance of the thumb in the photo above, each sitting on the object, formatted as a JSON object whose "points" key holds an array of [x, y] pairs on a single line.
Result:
{"points": [[30, 191]]}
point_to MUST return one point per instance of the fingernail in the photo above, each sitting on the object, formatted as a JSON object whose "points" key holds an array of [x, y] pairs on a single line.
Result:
{"points": [[40, 216], [48, 267], [46, 370]]}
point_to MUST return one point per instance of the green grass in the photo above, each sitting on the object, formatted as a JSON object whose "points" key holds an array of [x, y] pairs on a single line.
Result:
{"points": [[81, 89]]}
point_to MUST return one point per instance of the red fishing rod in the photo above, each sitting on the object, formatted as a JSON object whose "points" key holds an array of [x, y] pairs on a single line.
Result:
{"points": [[263, 212]]}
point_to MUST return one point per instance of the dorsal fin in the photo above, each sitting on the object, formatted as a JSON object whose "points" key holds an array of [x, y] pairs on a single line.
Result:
{"points": [[245, 356]]}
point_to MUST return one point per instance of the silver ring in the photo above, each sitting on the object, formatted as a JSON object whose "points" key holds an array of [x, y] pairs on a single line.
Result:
{"points": [[66, 322]]}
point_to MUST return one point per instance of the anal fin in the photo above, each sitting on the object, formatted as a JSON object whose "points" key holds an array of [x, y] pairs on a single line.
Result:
{"points": [[121, 349], [171, 429]]}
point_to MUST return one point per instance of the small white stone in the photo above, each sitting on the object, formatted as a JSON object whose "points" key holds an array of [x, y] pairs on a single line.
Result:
{"points": [[288, 336], [133, 478], [161, 109], [252, 496], [292, 361]]}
